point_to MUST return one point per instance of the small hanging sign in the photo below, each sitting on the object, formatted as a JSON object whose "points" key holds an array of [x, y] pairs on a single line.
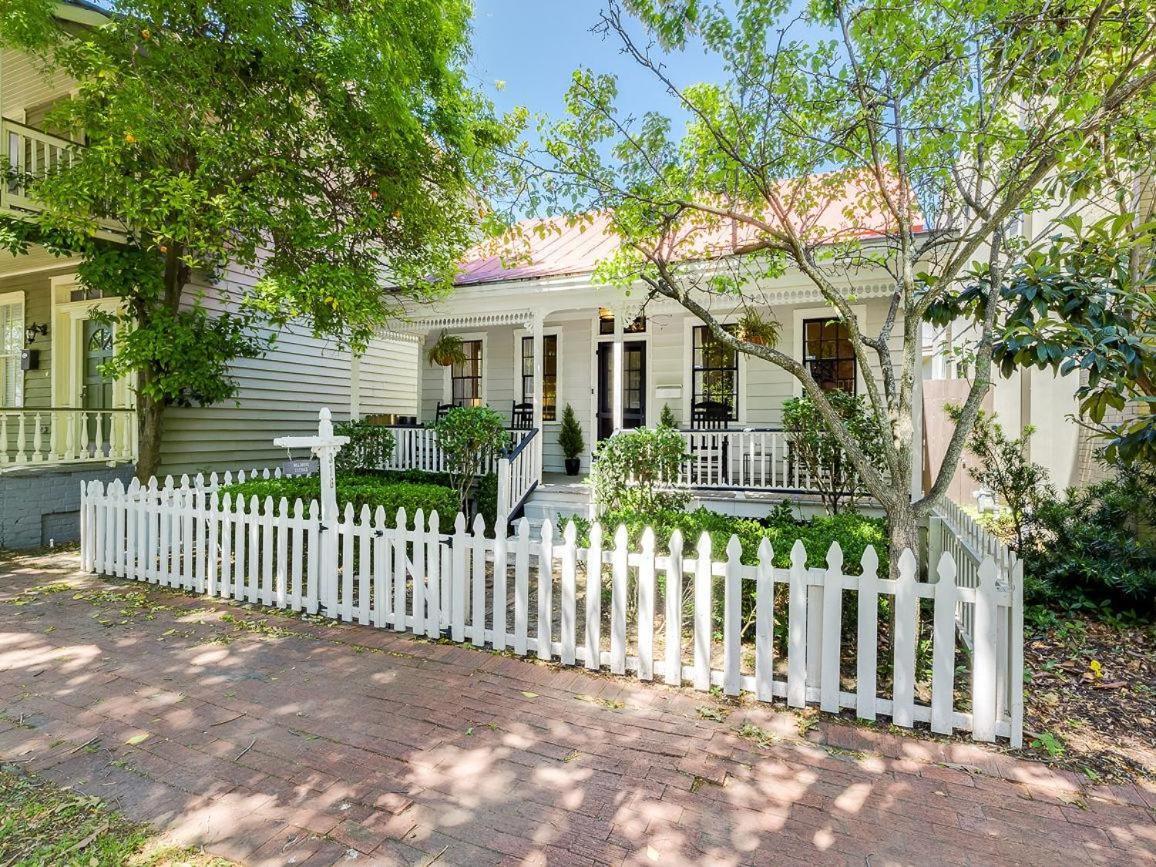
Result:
{"points": [[301, 467]]}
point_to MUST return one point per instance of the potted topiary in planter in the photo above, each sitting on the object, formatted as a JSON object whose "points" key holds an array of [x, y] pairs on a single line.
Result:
{"points": [[570, 441]]}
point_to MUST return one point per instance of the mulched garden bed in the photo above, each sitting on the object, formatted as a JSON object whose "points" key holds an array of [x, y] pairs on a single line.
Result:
{"points": [[1090, 701]]}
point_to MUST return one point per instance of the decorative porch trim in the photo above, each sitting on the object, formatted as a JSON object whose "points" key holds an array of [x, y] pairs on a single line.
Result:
{"points": [[522, 318]]}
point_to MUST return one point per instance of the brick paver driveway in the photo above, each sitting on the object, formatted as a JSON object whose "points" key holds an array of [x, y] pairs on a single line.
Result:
{"points": [[272, 740]]}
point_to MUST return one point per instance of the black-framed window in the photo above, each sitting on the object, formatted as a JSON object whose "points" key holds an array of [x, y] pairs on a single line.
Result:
{"points": [[549, 374], [466, 377], [714, 373], [828, 355]]}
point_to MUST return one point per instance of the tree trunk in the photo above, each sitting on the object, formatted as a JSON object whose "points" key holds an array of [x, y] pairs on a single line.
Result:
{"points": [[904, 533], [150, 424]]}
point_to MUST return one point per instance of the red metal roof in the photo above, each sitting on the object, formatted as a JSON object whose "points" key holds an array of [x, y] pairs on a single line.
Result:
{"points": [[559, 246]]}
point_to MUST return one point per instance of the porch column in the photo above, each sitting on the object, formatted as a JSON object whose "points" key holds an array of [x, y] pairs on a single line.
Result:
{"points": [[616, 371], [354, 386], [539, 390]]}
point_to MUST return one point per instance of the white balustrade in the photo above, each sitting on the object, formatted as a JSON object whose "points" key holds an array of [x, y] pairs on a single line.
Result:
{"points": [[43, 437]]}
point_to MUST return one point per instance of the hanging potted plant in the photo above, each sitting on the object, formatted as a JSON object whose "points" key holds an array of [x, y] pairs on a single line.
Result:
{"points": [[755, 328], [570, 441], [446, 350]]}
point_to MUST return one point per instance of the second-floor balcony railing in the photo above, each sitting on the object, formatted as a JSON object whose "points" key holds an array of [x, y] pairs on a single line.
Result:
{"points": [[27, 154]]}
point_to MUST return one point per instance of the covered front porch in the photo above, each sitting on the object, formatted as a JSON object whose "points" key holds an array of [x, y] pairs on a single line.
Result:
{"points": [[57, 407]]}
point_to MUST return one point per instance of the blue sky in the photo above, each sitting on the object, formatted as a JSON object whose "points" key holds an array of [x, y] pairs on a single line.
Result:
{"points": [[534, 45]]}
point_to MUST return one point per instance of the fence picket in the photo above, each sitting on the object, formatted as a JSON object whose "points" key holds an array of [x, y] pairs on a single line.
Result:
{"points": [[522, 587], [594, 598], [313, 543], [1016, 649], [906, 629], [943, 648], [252, 589], [382, 552], [226, 582], [458, 587], [866, 644], [672, 669], [501, 566], [478, 593], [645, 617], [797, 628], [364, 564], [569, 580], [400, 570], [732, 617], [267, 553], [346, 534], [765, 622], [983, 680], [433, 627], [832, 630], [702, 613], [619, 578], [545, 590]]}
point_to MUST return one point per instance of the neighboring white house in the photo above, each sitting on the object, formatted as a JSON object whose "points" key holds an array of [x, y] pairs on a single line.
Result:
{"points": [[61, 420]]}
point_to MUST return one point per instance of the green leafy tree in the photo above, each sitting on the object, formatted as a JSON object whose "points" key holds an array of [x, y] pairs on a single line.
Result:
{"points": [[1085, 304], [818, 451], [327, 148], [570, 439], [468, 437], [889, 144]]}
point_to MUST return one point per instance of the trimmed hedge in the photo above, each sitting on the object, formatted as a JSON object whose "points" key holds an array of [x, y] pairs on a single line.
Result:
{"points": [[852, 531], [486, 491], [360, 490]]}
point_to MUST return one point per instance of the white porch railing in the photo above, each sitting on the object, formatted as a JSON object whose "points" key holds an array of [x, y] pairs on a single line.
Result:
{"points": [[30, 154], [748, 458], [64, 435], [518, 476], [416, 448]]}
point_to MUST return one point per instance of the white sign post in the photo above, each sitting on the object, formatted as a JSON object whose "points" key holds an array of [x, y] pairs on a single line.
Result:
{"points": [[325, 446]]}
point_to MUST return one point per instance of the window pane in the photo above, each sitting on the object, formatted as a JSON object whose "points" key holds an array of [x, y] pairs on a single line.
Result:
{"points": [[828, 354], [714, 374]]}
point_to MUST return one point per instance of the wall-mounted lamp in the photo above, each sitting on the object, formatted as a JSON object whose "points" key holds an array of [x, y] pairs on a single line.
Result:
{"points": [[32, 330]]}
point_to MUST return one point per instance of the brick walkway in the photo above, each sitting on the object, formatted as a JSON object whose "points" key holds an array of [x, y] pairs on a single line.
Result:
{"points": [[302, 742]]}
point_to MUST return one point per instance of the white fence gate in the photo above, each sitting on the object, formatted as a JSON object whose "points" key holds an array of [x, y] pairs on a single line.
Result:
{"points": [[544, 595]]}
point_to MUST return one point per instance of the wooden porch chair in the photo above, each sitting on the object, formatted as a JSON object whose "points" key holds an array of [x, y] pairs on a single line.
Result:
{"points": [[710, 455], [521, 416]]}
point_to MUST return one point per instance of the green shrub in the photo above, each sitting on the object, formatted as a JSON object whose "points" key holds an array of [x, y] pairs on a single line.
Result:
{"points": [[1094, 549], [485, 493], [667, 417], [853, 532], [468, 436], [816, 449], [633, 471], [360, 490], [370, 446]]}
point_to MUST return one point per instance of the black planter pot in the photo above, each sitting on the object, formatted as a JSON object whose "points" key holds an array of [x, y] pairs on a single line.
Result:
{"points": [[573, 465]]}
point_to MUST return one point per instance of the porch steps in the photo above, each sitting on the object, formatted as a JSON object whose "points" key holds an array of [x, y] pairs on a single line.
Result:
{"points": [[558, 500]]}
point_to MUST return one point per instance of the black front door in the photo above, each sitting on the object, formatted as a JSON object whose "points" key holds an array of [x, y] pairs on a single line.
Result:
{"points": [[633, 386]]}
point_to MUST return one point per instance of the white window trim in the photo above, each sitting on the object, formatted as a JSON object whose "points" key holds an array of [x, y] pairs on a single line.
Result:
{"points": [[552, 331], [17, 299], [447, 380], [859, 311], [689, 323], [66, 337]]}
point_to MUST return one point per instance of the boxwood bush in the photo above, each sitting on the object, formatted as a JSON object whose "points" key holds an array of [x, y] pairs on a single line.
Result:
{"points": [[360, 490], [853, 532]]}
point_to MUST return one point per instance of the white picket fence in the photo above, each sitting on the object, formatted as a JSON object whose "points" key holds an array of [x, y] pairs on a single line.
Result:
{"points": [[543, 596]]}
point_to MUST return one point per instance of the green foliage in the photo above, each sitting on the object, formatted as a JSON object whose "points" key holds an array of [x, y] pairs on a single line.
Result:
{"points": [[446, 350], [852, 531], [468, 436], [634, 469], [667, 418], [570, 438], [370, 446], [815, 447], [1094, 549], [1085, 304], [485, 491], [1003, 467], [360, 490], [281, 138], [754, 327]]}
